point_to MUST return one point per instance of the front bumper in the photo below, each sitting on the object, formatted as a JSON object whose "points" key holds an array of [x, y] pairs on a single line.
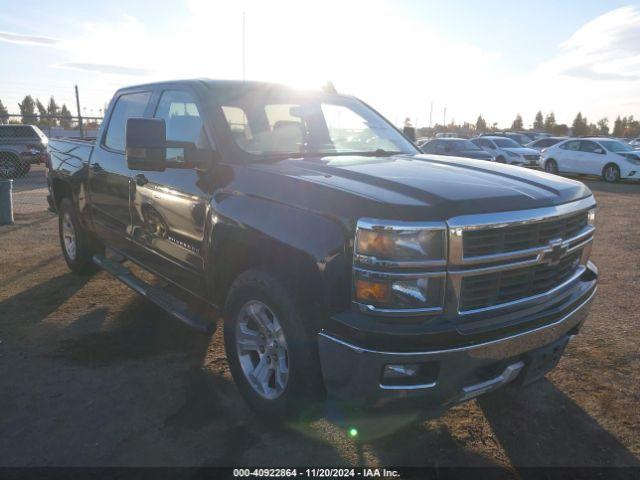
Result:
{"points": [[353, 374]]}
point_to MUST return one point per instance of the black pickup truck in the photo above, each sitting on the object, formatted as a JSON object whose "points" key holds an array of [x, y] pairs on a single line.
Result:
{"points": [[345, 262]]}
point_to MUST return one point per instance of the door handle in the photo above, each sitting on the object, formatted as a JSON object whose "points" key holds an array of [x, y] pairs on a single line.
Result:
{"points": [[141, 179]]}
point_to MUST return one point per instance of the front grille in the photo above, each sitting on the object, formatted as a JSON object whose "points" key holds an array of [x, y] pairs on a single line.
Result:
{"points": [[491, 289], [532, 157], [492, 241]]}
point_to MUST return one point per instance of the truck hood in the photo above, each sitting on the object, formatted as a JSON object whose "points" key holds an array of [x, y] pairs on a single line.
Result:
{"points": [[415, 187]]}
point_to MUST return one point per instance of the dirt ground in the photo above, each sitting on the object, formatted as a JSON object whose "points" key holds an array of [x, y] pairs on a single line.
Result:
{"points": [[92, 374]]}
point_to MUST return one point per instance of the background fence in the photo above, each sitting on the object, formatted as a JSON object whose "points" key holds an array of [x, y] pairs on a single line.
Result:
{"points": [[54, 126]]}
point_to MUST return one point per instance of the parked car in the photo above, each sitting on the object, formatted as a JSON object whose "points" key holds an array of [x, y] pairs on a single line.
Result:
{"points": [[605, 157], [635, 143], [457, 147], [343, 260], [447, 135], [544, 142], [509, 151], [519, 138], [20, 147]]}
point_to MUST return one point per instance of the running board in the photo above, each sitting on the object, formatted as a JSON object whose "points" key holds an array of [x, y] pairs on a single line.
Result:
{"points": [[164, 300]]}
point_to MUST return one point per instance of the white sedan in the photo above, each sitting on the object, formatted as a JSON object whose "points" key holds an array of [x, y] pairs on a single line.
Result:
{"points": [[605, 157]]}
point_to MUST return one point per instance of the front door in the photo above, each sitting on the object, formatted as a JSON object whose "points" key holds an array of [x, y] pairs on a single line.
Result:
{"points": [[169, 209], [109, 186]]}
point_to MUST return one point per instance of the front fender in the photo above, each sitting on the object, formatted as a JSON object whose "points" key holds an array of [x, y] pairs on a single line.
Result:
{"points": [[310, 251]]}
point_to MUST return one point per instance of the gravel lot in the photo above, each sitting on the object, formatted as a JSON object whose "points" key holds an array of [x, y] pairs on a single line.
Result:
{"points": [[92, 374]]}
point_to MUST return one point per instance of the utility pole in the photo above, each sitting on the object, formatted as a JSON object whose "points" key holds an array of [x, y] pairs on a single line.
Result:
{"points": [[244, 46], [444, 118], [79, 114]]}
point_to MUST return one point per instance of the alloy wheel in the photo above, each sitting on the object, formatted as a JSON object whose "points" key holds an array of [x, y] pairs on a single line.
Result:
{"points": [[262, 349], [69, 236]]}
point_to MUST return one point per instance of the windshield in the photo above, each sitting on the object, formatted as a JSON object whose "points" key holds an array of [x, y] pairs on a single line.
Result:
{"points": [[464, 145], [616, 146], [506, 143], [268, 122]]}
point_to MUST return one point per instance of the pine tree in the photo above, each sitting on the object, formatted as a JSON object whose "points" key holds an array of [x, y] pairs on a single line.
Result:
{"points": [[550, 123], [580, 126], [617, 127], [53, 110], [517, 123], [481, 124], [65, 121], [538, 123], [28, 110], [4, 113]]}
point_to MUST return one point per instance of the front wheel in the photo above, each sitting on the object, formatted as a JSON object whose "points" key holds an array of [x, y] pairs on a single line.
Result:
{"points": [[550, 166], [77, 247], [500, 159], [271, 352], [611, 173]]}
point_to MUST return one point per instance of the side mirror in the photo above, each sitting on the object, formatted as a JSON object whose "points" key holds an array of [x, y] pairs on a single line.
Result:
{"points": [[146, 147], [146, 144]]}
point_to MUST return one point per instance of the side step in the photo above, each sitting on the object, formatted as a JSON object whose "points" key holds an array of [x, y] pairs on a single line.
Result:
{"points": [[164, 300]]}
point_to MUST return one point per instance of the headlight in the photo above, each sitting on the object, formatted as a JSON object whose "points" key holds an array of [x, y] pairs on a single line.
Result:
{"points": [[591, 217], [386, 257]]}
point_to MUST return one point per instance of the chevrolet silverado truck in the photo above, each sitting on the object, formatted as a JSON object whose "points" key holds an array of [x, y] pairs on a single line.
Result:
{"points": [[346, 264]]}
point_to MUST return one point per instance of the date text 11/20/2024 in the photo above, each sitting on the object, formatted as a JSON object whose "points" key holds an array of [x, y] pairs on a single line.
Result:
{"points": [[316, 472]]}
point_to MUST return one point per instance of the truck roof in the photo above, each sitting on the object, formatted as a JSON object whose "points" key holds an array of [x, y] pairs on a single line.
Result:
{"points": [[222, 84]]}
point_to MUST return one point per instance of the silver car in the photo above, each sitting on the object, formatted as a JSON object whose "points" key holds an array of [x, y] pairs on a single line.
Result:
{"points": [[505, 150]]}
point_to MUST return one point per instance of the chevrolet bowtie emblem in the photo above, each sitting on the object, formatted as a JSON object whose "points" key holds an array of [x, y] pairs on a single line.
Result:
{"points": [[556, 252]]}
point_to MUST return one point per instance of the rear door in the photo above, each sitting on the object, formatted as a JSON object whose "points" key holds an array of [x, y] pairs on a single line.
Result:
{"points": [[568, 156], [169, 208], [108, 173]]}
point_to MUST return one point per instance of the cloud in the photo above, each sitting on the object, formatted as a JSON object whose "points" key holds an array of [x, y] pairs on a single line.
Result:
{"points": [[28, 39], [605, 49], [103, 68]]}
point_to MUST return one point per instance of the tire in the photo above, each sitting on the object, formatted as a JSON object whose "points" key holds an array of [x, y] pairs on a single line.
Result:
{"points": [[77, 246], [550, 166], [500, 159], [611, 173], [259, 295], [12, 167]]}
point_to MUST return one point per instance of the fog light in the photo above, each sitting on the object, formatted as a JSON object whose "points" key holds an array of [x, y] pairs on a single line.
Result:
{"points": [[398, 376], [372, 291], [632, 173]]}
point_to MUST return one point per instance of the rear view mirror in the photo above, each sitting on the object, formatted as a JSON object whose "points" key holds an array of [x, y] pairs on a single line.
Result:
{"points": [[146, 144]]}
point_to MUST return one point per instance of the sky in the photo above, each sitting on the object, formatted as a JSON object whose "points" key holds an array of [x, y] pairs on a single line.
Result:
{"points": [[493, 58]]}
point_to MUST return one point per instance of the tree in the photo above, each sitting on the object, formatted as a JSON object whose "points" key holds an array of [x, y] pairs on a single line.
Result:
{"points": [[603, 126], [538, 123], [617, 127], [580, 127], [65, 121], [53, 110], [42, 110], [560, 130], [517, 123], [481, 124], [28, 110], [549, 123], [4, 113]]}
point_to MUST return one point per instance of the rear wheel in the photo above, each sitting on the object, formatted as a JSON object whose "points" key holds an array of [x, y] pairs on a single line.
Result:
{"points": [[500, 159], [611, 173], [271, 353], [550, 166], [77, 246]]}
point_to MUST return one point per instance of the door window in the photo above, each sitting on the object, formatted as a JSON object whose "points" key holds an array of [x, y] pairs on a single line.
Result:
{"points": [[573, 145], [590, 147], [127, 106], [180, 112]]}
